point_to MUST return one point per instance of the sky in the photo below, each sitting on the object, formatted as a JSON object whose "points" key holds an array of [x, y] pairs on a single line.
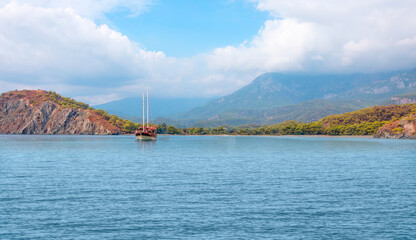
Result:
{"points": [[100, 51]]}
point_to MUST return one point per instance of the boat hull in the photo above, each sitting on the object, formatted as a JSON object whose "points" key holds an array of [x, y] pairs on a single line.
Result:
{"points": [[142, 137]]}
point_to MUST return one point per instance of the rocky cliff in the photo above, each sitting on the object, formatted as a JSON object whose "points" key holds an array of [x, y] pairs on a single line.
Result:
{"points": [[404, 128], [40, 112]]}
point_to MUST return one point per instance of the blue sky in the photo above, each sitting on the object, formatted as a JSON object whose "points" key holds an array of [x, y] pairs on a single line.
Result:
{"points": [[184, 28], [102, 50]]}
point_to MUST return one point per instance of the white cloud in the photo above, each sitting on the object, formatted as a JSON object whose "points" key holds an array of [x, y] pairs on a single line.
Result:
{"points": [[281, 45], [45, 45], [349, 35], [89, 8]]}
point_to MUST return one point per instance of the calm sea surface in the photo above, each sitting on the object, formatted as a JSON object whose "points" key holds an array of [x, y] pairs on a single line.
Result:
{"points": [[206, 187]]}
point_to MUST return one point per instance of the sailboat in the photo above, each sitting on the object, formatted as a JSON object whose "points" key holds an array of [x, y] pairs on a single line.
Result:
{"points": [[146, 132]]}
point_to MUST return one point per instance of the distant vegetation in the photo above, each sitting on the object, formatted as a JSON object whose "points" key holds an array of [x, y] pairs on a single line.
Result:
{"points": [[65, 101], [125, 125], [37, 96], [410, 95], [363, 122]]}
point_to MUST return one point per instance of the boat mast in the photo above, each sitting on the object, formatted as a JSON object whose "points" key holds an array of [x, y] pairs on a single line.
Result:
{"points": [[147, 108], [143, 113]]}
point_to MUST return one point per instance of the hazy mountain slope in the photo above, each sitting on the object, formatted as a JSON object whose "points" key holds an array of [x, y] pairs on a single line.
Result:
{"points": [[159, 107], [275, 90], [404, 98], [384, 89], [313, 110], [303, 112]]}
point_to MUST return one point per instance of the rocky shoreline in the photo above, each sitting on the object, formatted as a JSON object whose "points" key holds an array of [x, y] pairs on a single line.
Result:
{"points": [[27, 112], [404, 128]]}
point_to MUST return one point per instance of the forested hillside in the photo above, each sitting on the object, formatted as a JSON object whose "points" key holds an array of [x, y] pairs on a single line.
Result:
{"points": [[362, 122]]}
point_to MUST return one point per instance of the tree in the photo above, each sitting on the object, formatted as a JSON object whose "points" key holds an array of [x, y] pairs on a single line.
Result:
{"points": [[171, 130]]}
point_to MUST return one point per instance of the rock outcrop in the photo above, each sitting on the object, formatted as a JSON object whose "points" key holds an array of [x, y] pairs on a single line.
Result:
{"points": [[404, 128], [31, 112]]}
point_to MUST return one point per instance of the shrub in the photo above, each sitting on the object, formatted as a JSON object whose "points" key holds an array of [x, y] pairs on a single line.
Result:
{"points": [[397, 130]]}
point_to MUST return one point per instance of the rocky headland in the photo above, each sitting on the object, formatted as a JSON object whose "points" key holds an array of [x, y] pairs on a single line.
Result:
{"points": [[404, 128], [42, 112]]}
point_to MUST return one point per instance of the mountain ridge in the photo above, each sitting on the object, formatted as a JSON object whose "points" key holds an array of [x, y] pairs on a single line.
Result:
{"points": [[271, 94]]}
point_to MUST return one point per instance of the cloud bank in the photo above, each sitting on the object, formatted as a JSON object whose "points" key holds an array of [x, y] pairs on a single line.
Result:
{"points": [[328, 36], [58, 45], [92, 9]]}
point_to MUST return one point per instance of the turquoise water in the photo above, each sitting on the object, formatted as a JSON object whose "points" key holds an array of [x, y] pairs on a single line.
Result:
{"points": [[206, 187]]}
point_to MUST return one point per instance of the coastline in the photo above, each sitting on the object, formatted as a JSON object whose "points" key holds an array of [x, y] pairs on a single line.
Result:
{"points": [[239, 135], [224, 135]]}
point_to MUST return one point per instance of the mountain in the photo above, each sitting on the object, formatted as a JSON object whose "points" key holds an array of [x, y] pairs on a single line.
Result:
{"points": [[313, 110], [276, 97], [308, 111], [276, 90], [42, 112], [159, 107], [392, 85], [403, 99]]}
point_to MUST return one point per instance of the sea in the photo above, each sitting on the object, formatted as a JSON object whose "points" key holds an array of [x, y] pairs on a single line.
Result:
{"points": [[206, 187]]}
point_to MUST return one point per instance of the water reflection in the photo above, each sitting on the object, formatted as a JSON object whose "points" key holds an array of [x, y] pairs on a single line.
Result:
{"points": [[145, 145]]}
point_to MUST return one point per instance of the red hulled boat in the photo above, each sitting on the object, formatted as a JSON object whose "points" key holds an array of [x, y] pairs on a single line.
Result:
{"points": [[146, 132]]}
